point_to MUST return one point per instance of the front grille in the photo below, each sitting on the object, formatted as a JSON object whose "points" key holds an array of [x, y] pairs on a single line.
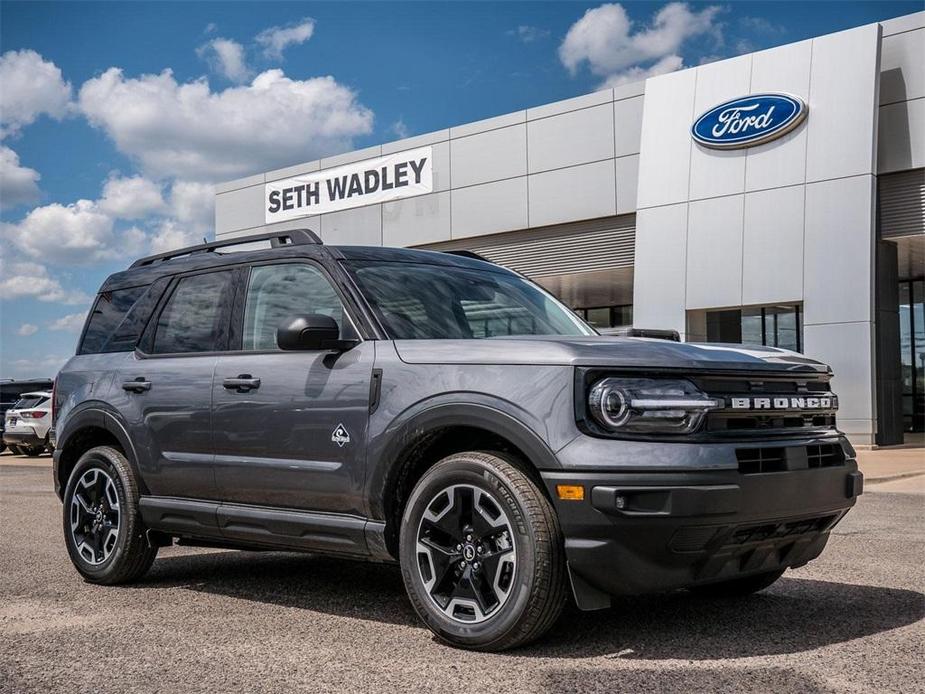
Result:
{"points": [[754, 461], [767, 531], [732, 423], [758, 460]]}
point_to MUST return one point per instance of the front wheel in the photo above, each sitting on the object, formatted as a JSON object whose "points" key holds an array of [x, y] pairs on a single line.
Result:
{"points": [[481, 553], [102, 526]]}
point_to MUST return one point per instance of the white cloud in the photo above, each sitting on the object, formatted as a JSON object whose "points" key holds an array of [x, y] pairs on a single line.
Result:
{"points": [[400, 129], [669, 63], [79, 233], [25, 279], [610, 44], [131, 198], [528, 34], [189, 131], [27, 329], [210, 28], [226, 57], [169, 236], [277, 39], [193, 204], [18, 184], [31, 86], [71, 323]]}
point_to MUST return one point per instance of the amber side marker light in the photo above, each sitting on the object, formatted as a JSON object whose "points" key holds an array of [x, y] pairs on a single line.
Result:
{"points": [[570, 492]]}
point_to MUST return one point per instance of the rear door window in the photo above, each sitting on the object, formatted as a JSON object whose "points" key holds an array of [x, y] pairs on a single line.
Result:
{"points": [[108, 311], [195, 318]]}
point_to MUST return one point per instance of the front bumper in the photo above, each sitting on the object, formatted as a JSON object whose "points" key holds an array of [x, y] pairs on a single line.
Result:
{"points": [[650, 532]]}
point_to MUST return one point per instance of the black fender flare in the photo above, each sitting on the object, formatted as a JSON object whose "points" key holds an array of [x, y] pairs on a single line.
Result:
{"points": [[385, 454], [97, 415]]}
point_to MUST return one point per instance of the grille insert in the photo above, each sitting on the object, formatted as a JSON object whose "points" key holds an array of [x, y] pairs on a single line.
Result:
{"points": [[753, 461], [768, 531]]}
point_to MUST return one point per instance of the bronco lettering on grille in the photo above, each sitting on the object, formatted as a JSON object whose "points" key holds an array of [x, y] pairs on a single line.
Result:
{"points": [[827, 402]]}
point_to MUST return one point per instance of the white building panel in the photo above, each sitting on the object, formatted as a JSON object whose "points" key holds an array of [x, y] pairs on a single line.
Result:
{"points": [[661, 248], [843, 99], [838, 252], [714, 252], [575, 193], [772, 248], [416, 221]]}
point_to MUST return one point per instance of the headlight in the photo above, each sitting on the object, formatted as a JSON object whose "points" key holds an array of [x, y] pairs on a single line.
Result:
{"points": [[649, 405]]}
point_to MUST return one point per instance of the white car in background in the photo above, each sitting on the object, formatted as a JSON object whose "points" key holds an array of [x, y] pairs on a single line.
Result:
{"points": [[27, 423]]}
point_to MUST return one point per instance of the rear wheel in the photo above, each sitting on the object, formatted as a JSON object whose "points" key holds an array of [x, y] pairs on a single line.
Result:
{"points": [[103, 531], [481, 553], [738, 587]]}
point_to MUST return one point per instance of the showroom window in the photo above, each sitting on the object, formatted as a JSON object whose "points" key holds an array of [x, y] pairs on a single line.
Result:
{"points": [[772, 326], [607, 316]]}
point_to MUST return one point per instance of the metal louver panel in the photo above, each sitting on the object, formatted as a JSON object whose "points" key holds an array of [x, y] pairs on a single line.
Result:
{"points": [[598, 244], [902, 203]]}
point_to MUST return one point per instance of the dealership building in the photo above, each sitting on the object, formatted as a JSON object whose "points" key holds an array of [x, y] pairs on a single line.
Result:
{"points": [[775, 198]]}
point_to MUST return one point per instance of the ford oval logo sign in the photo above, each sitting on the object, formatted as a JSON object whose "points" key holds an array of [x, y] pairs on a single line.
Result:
{"points": [[749, 120]]}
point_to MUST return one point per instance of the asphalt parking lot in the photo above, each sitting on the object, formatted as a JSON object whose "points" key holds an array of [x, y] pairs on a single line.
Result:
{"points": [[209, 620]]}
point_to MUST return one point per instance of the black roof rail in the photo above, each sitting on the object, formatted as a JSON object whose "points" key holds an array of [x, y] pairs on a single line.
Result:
{"points": [[291, 237], [469, 254]]}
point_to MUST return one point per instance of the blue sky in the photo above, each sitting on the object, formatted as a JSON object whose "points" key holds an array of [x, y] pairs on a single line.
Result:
{"points": [[104, 156]]}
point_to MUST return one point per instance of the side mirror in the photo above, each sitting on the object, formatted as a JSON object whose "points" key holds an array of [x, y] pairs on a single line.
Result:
{"points": [[313, 331]]}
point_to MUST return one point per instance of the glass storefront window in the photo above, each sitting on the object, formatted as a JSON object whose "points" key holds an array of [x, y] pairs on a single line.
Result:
{"points": [[607, 316], [912, 352], [772, 326]]}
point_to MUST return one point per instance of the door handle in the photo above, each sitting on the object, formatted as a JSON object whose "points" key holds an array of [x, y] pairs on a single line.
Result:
{"points": [[139, 385], [242, 383]]}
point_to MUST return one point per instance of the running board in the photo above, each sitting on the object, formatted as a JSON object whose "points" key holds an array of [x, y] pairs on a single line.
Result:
{"points": [[290, 529]]}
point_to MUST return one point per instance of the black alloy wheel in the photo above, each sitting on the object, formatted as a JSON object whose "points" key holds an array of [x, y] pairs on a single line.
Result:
{"points": [[481, 552], [95, 516], [465, 553], [103, 529]]}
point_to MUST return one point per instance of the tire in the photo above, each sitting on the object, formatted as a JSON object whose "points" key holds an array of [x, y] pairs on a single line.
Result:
{"points": [[101, 480], [738, 587], [500, 580], [2, 447]]}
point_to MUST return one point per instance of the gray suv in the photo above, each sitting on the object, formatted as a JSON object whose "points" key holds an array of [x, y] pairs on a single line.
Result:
{"points": [[438, 411]]}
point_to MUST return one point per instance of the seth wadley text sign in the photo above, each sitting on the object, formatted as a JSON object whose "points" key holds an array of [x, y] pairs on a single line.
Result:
{"points": [[400, 175]]}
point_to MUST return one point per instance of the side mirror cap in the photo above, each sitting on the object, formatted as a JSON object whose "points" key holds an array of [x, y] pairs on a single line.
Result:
{"points": [[311, 332]]}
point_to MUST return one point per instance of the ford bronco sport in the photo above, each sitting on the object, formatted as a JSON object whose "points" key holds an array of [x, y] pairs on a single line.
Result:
{"points": [[438, 411]]}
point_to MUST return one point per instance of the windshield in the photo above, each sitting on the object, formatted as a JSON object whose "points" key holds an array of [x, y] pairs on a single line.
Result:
{"points": [[415, 301]]}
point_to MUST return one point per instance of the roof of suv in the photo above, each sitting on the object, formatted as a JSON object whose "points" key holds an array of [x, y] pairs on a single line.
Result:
{"points": [[205, 256]]}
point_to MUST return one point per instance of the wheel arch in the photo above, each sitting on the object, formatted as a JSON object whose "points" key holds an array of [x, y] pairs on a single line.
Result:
{"points": [[87, 428], [430, 435]]}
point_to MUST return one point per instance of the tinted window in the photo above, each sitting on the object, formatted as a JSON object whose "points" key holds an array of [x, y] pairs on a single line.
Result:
{"points": [[419, 301], [192, 320], [108, 311], [279, 292], [29, 402]]}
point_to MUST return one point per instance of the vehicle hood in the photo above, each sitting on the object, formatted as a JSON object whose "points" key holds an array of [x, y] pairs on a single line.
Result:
{"points": [[627, 352]]}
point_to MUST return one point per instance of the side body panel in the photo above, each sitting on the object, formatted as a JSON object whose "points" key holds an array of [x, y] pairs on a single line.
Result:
{"points": [[170, 424], [299, 439]]}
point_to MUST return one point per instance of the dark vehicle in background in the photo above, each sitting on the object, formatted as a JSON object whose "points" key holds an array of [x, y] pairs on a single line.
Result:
{"points": [[441, 412], [10, 393]]}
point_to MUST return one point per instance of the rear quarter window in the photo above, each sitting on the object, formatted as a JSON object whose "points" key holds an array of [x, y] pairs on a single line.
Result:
{"points": [[108, 312]]}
